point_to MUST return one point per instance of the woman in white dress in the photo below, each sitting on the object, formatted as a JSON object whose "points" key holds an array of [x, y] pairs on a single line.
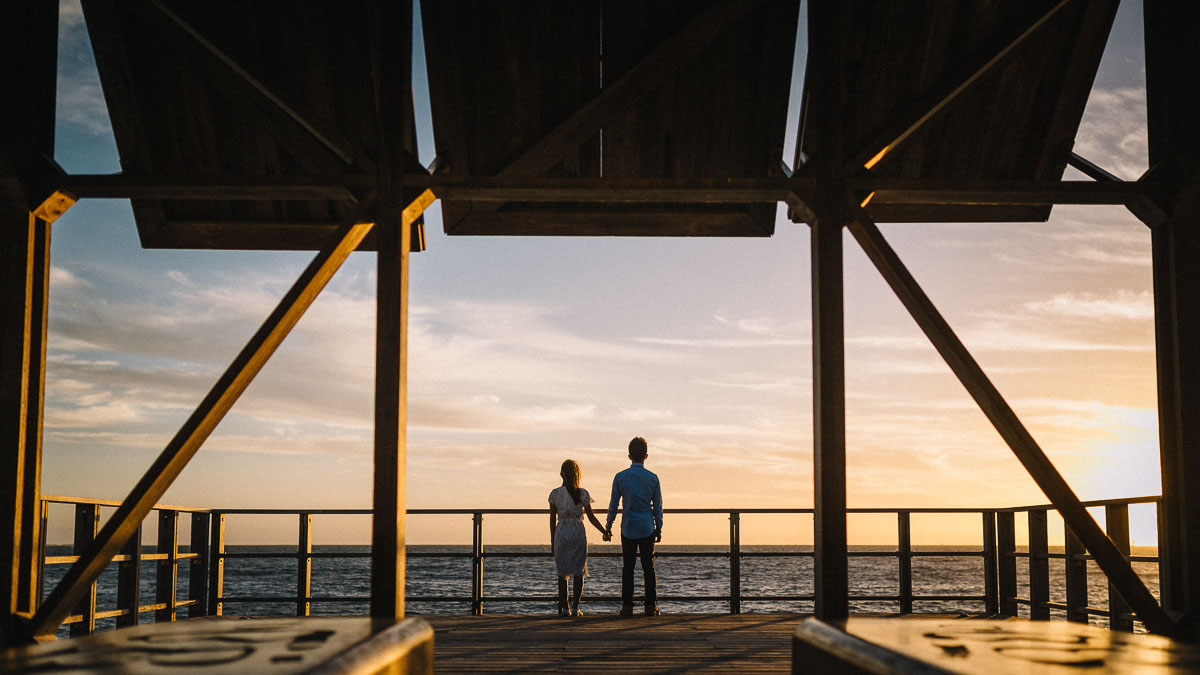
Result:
{"points": [[568, 504]]}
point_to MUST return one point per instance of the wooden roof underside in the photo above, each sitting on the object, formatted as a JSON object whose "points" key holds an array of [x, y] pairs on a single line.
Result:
{"points": [[545, 91]]}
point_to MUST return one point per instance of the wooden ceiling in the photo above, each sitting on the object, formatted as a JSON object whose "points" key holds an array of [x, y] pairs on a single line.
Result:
{"points": [[540, 91]]}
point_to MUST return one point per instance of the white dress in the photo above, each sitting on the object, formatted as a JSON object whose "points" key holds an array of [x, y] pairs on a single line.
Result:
{"points": [[570, 538]]}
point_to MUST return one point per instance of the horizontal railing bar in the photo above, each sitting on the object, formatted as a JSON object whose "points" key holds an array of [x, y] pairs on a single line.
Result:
{"points": [[1095, 502], [59, 499], [68, 559]]}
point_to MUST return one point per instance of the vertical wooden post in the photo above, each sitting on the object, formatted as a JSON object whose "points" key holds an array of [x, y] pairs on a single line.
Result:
{"points": [[477, 563], [44, 519], [28, 76], [392, 44], [735, 562], [831, 582], [304, 566], [1039, 567], [1076, 578], [1116, 524], [991, 580], [1006, 561], [87, 524], [216, 565], [904, 554], [129, 581], [167, 574], [198, 570], [1173, 144]]}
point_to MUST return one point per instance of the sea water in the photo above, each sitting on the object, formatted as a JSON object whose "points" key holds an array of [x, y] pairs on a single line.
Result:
{"points": [[530, 579]]}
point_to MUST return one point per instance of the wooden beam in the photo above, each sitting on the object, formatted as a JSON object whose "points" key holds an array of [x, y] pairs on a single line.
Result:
{"points": [[830, 561], [28, 77], [170, 463], [230, 76], [391, 48], [943, 94], [627, 190], [1002, 417], [1172, 107]]}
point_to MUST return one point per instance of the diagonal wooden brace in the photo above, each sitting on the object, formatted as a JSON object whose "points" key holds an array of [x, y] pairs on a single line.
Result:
{"points": [[170, 463], [1114, 565]]}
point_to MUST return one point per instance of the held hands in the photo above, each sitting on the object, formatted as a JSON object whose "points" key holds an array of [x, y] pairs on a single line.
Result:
{"points": [[607, 535]]}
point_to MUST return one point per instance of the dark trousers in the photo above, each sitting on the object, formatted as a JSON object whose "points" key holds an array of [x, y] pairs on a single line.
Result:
{"points": [[631, 550]]}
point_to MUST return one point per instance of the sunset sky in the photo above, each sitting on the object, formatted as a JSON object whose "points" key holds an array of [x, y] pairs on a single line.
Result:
{"points": [[527, 351]]}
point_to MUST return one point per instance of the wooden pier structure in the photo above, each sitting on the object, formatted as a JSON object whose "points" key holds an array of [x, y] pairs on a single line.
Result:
{"points": [[289, 125]]}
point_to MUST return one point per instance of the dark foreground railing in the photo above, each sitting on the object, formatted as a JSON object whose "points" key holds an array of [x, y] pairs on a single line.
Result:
{"points": [[207, 555]]}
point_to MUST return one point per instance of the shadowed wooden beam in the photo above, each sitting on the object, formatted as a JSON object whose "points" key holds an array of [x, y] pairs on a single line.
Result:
{"points": [[616, 99], [128, 517], [626, 190], [1120, 573], [391, 48], [943, 95], [28, 67], [229, 75]]}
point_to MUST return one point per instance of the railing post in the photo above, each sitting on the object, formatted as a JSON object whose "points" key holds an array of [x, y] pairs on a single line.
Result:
{"points": [[167, 578], [735, 562], [477, 564], [129, 581], [904, 556], [1116, 524], [44, 515], [1039, 567], [216, 566], [1076, 578], [304, 566], [198, 570], [87, 524], [1006, 561], [991, 585]]}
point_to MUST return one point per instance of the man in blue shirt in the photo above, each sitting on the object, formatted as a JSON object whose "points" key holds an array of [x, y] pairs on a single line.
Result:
{"points": [[641, 525]]}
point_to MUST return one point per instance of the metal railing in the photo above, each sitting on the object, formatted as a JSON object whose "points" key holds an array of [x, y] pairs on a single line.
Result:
{"points": [[207, 556]]}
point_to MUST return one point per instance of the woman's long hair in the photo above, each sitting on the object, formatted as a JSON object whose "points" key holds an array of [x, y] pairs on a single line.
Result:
{"points": [[571, 474]]}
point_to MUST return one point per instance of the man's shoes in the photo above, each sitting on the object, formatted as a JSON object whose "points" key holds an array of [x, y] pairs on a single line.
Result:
{"points": [[626, 610], [652, 610]]}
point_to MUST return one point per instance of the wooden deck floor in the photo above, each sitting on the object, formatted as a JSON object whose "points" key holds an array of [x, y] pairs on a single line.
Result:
{"points": [[681, 643]]}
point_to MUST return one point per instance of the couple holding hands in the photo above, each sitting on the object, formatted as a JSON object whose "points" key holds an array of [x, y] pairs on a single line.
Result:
{"points": [[641, 527]]}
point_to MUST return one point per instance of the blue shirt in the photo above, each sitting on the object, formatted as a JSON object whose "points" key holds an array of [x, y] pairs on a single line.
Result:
{"points": [[643, 513]]}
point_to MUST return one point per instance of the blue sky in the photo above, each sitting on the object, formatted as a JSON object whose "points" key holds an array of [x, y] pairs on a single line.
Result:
{"points": [[526, 351]]}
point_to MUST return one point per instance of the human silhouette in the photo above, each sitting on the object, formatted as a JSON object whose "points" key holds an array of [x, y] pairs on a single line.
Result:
{"points": [[568, 537], [641, 525]]}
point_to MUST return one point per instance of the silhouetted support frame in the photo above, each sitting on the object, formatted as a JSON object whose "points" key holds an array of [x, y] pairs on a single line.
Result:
{"points": [[830, 573], [28, 75], [170, 463], [993, 405], [1172, 107]]}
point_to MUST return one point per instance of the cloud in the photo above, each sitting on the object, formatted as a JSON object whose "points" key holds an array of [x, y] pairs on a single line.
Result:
{"points": [[1124, 304], [1112, 132]]}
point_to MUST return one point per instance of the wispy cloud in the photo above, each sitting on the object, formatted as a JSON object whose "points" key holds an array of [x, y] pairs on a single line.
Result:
{"points": [[1112, 132], [1124, 304]]}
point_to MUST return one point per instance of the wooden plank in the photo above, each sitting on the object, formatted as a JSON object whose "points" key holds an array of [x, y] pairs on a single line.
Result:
{"points": [[1018, 438], [991, 568], [1039, 566], [830, 572], [199, 425], [1006, 561], [943, 646], [198, 566], [304, 566], [601, 641], [904, 552], [230, 76], [945, 93], [280, 645], [216, 573]]}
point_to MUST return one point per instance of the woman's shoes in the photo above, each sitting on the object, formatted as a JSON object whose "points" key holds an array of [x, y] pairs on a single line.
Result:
{"points": [[575, 611]]}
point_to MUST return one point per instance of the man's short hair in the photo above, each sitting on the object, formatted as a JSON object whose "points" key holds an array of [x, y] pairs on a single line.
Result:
{"points": [[637, 448]]}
